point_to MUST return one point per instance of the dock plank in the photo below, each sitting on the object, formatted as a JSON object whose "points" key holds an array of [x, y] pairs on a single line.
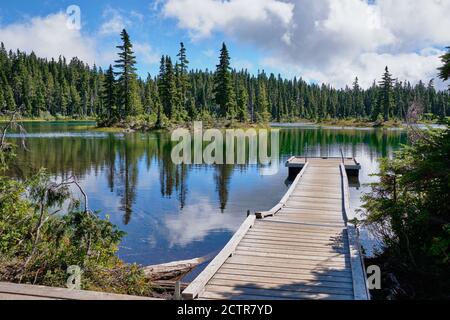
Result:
{"points": [[300, 249]]}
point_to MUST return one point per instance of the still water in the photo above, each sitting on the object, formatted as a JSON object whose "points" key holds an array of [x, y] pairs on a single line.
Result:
{"points": [[180, 212]]}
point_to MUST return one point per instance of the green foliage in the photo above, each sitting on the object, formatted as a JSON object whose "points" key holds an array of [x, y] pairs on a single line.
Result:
{"points": [[74, 89], [408, 209], [385, 95], [183, 82], [169, 90], [242, 102], [223, 86], [39, 240], [129, 102], [109, 113], [445, 69], [262, 104]]}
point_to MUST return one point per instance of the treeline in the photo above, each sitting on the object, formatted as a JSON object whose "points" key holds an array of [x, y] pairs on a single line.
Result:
{"points": [[41, 87]]}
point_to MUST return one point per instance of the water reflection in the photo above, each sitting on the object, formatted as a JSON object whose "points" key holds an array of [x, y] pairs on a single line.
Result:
{"points": [[173, 212]]}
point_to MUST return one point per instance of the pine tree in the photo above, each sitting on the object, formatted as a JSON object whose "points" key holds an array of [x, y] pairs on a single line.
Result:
{"points": [[108, 96], [385, 95], [169, 97], [148, 105], [127, 94], [357, 100], [183, 80], [75, 102], [161, 91], [262, 104], [38, 103], [64, 97], [9, 98], [74, 89], [444, 71], [242, 102], [223, 86], [3, 106]]}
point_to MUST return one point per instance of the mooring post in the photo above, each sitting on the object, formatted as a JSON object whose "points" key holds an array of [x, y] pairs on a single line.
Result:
{"points": [[177, 295]]}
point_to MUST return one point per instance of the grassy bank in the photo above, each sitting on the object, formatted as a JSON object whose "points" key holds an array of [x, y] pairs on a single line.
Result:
{"points": [[4, 119], [360, 123]]}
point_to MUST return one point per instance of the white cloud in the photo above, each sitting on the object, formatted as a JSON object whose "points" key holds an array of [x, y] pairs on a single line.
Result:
{"points": [[368, 67], [196, 222], [145, 53], [327, 40], [49, 37], [114, 22], [202, 17], [417, 23]]}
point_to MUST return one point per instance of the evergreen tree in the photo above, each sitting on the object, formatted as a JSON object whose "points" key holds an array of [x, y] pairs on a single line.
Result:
{"points": [[183, 76], [64, 98], [262, 104], [3, 106], [73, 89], [9, 103], [128, 97], [385, 95], [38, 101], [161, 90], [149, 106], [169, 96], [242, 103], [357, 100], [223, 89], [444, 71], [109, 96]]}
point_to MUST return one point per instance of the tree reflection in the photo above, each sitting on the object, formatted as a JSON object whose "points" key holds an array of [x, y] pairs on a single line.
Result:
{"points": [[125, 158]]}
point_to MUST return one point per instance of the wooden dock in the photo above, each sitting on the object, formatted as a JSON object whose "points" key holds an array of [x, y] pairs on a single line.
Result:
{"points": [[13, 291], [303, 248]]}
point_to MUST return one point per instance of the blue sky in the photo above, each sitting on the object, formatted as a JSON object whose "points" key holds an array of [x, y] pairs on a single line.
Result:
{"points": [[144, 23], [319, 40]]}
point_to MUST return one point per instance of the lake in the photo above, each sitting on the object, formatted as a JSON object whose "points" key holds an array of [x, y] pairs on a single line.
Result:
{"points": [[172, 212]]}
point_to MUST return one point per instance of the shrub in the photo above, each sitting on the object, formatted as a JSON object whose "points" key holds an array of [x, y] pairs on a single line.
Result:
{"points": [[408, 209]]}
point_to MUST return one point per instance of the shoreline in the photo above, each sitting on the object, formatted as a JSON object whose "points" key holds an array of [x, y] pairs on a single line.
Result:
{"points": [[223, 125]]}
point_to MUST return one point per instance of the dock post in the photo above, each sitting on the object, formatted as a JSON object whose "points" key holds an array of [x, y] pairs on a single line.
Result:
{"points": [[177, 295]]}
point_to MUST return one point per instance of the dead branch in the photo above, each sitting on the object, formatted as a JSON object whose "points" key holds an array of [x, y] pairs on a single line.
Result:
{"points": [[172, 270]]}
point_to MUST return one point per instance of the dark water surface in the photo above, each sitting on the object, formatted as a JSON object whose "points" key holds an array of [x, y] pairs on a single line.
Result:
{"points": [[180, 212]]}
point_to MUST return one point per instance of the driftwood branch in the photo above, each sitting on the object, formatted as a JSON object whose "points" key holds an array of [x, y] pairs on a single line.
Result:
{"points": [[72, 180], [12, 122], [172, 270]]}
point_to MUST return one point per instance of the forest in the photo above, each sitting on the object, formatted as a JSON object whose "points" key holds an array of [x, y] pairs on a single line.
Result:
{"points": [[42, 88]]}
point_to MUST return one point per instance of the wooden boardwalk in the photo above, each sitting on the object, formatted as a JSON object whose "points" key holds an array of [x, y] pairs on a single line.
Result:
{"points": [[13, 291], [301, 249]]}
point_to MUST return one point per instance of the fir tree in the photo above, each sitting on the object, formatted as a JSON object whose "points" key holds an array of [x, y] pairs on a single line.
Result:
{"points": [[242, 103], [385, 95], [109, 96], [127, 93], [74, 89], [169, 96], [149, 106], [357, 100], [183, 80], [3, 106], [262, 104], [444, 71], [223, 89]]}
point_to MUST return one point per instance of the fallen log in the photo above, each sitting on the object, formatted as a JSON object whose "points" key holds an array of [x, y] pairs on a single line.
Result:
{"points": [[169, 284], [172, 270]]}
